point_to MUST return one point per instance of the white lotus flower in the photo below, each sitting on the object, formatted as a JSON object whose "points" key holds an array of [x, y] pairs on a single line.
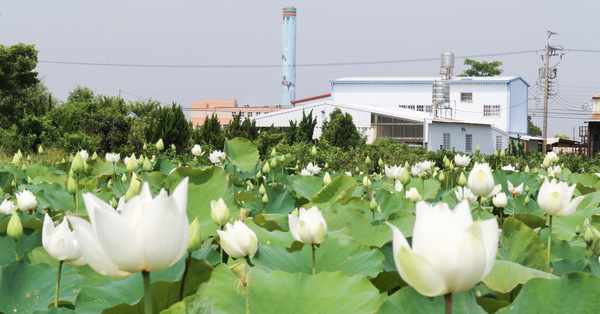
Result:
{"points": [[413, 194], [554, 198], [509, 168], [450, 253], [515, 191], [113, 157], [217, 157], [238, 240], [60, 242], [462, 160], [143, 234], [305, 173], [7, 207], [394, 172], [500, 200], [553, 171], [481, 181], [197, 150], [550, 158], [464, 193], [26, 201], [219, 212], [416, 170], [398, 186], [314, 169], [84, 154], [309, 227]]}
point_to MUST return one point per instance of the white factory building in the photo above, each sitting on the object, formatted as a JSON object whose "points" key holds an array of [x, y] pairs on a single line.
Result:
{"points": [[484, 111]]}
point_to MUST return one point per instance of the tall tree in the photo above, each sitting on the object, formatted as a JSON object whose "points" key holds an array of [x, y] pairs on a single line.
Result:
{"points": [[534, 130], [341, 131], [210, 133], [169, 124], [482, 68]]}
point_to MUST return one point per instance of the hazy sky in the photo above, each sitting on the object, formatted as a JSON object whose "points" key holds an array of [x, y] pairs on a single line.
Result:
{"points": [[237, 34]]}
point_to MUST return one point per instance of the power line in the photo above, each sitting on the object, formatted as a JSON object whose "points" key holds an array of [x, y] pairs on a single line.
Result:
{"points": [[278, 65]]}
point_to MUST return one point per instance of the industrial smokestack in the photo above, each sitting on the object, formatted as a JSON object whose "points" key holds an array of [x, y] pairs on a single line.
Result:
{"points": [[288, 57]]}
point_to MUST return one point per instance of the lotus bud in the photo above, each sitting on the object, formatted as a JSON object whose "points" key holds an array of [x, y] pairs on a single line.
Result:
{"points": [[266, 168], [373, 204], [273, 162], [77, 164], [380, 163], [577, 230], [477, 149], [29, 180], [326, 165], [413, 195], [147, 166], [219, 212], [19, 154], [367, 161], [123, 178], [71, 185], [588, 234], [160, 145], [131, 164], [326, 178], [114, 203], [265, 198], [366, 182], [259, 174], [405, 176], [503, 153], [15, 227], [94, 156], [527, 188], [262, 190], [442, 176], [357, 169], [526, 200], [63, 160], [526, 169], [173, 148], [40, 149], [273, 152], [500, 200], [195, 241], [313, 151], [462, 180]]}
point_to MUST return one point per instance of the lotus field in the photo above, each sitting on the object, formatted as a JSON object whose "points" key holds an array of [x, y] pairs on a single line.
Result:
{"points": [[116, 234]]}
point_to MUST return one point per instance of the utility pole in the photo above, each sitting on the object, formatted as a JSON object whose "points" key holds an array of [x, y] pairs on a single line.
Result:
{"points": [[550, 52]]}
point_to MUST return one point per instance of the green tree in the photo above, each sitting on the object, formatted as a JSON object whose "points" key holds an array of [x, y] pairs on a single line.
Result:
{"points": [[142, 108], [210, 133], [17, 79], [534, 130], [169, 124], [340, 130], [302, 131], [81, 95], [482, 68], [562, 136]]}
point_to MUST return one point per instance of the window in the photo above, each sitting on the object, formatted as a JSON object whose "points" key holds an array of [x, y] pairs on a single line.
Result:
{"points": [[498, 142], [249, 114], [466, 97], [411, 107], [233, 113], [241, 114], [424, 108], [258, 113], [446, 143], [468, 143], [491, 110]]}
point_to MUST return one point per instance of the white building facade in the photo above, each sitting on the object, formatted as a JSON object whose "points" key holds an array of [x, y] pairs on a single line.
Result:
{"points": [[483, 112]]}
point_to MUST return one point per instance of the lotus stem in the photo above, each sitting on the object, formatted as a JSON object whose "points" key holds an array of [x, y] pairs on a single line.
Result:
{"points": [[314, 259], [448, 298], [549, 241], [188, 261], [17, 250], [247, 288], [57, 285], [479, 209], [147, 292]]}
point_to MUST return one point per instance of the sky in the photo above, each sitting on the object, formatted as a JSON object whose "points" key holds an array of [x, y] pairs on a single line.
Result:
{"points": [[163, 48]]}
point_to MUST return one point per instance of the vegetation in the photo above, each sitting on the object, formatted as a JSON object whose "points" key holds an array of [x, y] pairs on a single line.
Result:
{"points": [[482, 68]]}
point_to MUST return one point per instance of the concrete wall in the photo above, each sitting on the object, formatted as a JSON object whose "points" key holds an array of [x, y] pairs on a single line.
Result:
{"points": [[481, 135]]}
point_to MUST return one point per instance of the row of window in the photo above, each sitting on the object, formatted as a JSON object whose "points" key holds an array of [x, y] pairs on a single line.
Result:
{"points": [[446, 143], [488, 110], [250, 113]]}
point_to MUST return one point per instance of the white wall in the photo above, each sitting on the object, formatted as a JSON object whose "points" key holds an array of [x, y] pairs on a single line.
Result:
{"points": [[482, 136], [519, 93]]}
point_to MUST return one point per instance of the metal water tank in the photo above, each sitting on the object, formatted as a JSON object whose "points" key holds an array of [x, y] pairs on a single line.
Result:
{"points": [[441, 91], [448, 59]]}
